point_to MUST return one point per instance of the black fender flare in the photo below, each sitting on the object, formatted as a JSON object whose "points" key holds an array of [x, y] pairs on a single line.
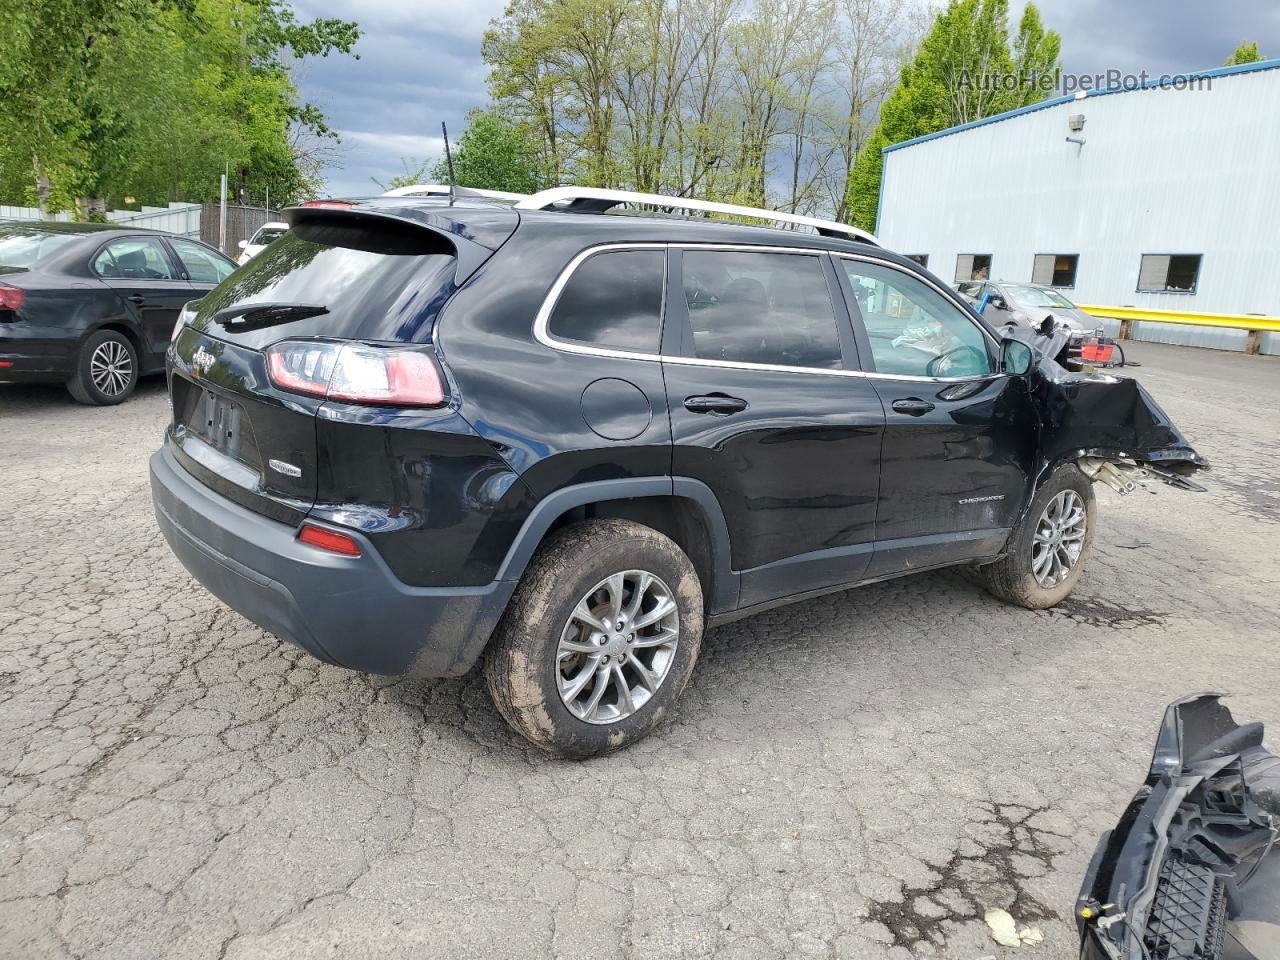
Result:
{"points": [[721, 593]]}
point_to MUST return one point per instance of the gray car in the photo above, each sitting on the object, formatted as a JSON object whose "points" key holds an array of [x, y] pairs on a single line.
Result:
{"points": [[1028, 304]]}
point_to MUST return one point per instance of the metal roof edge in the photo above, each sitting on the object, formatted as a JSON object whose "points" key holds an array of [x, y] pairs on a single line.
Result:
{"points": [[1163, 80]]}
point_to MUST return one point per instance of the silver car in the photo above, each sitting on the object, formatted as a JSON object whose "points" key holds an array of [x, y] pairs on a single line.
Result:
{"points": [[1028, 304]]}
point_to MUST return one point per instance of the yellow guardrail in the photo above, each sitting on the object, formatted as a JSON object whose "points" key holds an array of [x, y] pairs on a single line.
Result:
{"points": [[1255, 324]]}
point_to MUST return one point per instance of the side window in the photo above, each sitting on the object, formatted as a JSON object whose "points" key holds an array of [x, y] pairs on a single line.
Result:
{"points": [[760, 308], [141, 258], [914, 330], [1054, 269], [202, 265], [1169, 273], [613, 300]]}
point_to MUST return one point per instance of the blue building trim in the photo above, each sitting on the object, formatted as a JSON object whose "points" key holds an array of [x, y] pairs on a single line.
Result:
{"points": [[1171, 79], [880, 195]]}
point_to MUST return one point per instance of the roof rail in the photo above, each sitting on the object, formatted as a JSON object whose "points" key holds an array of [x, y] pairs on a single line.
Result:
{"points": [[596, 200], [443, 190]]}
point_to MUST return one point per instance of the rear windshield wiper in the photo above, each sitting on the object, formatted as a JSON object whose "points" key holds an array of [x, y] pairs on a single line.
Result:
{"points": [[255, 316]]}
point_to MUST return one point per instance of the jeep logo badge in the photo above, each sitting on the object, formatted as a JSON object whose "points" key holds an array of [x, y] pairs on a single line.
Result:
{"points": [[202, 360]]}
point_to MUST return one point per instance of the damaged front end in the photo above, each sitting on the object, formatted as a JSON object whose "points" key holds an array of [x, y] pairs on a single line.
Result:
{"points": [[1109, 425], [1190, 869]]}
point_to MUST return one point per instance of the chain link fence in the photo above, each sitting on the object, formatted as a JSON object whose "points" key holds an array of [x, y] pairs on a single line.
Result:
{"points": [[242, 223]]}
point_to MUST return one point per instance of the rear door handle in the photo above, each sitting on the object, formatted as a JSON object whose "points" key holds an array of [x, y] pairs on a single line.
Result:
{"points": [[136, 298], [912, 406], [715, 403]]}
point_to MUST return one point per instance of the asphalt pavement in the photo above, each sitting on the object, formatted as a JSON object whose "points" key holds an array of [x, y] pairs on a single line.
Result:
{"points": [[857, 776]]}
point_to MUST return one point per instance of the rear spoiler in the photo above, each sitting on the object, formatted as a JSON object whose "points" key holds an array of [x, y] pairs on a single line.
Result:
{"points": [[405, 230]]}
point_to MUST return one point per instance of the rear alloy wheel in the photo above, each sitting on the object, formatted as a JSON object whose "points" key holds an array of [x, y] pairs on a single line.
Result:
{"points": [[617, 647], [107, 370], [599, 639], [1047, 551]]}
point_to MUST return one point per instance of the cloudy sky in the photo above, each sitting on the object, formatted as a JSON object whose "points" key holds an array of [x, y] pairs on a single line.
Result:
{"points": [[420, 63]]}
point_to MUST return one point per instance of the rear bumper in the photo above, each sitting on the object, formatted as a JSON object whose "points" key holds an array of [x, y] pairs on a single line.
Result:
{"points": [[349, 611], [35, 360]]}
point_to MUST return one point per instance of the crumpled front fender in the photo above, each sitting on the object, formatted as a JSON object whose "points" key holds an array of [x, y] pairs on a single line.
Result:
{"points": [[1101, 416]]}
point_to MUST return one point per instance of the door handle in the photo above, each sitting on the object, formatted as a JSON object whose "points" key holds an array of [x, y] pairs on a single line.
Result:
{"points": [[136, 298], [912, 406], [716, 403]]}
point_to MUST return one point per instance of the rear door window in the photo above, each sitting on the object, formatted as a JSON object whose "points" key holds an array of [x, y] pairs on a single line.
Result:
{"points": [[613, 300], [137, 258], [763, 308], [202, 264]]}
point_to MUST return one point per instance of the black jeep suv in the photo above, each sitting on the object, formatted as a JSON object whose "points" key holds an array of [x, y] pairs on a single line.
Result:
{"points": [[414, 433]]}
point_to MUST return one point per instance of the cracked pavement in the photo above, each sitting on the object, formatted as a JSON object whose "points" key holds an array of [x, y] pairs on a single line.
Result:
{"points": [[856, 776]]}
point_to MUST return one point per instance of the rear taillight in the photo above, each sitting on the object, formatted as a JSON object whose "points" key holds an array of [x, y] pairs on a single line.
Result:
{"points": [[329, 540], [11, 298], [333, 204], [357, 372]]}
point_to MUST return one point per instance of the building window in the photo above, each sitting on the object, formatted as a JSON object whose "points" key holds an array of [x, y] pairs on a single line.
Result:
{"points": [[1169, 272], [1055, 269], [920, 258], [973, 266]]}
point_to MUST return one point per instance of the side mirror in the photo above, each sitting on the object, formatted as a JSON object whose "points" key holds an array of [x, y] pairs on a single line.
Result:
{"points": [[998, 303], [243, 244], [1016, 358]]}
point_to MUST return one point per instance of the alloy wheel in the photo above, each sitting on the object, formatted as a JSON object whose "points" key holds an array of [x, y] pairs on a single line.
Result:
{"points": [[111, 368], [1059, 538], [617, 647]]}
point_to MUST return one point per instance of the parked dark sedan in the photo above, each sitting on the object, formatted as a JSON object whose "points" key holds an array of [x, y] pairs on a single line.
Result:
{"points": [[93, 305]]}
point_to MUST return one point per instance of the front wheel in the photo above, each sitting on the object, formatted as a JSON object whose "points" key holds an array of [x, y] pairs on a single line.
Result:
{"points": [[1048, 549], [599, 640]]}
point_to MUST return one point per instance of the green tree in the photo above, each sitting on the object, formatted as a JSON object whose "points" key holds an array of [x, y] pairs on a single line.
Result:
{"points": [[965, 70], [411, 175], [754, 101], [492, 154], [155, 98], [1245, 53]]}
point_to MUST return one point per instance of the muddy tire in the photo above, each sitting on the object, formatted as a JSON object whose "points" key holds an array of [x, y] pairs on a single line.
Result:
{"points": [[563, 681], [1049, 548], [106, 370]]}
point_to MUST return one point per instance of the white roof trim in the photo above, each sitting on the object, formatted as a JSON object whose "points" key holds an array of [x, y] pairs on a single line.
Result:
{"points": [[548, 199], [443, 190]]}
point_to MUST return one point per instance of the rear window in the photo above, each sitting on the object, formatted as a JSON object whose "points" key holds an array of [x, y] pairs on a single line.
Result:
{"points": [[384, 283], [25, 246], [613, 300]]}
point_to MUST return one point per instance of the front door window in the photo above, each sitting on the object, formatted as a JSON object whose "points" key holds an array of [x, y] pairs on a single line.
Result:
{"points": [[914, 330]]}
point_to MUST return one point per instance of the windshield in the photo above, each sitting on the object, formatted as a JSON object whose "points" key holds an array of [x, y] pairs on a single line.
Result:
{"points": [[1039, 297], [266, 235], [27, 246]]}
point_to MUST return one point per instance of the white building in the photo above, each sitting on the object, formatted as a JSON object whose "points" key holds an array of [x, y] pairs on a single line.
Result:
{"points": [[1161, 198]]}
